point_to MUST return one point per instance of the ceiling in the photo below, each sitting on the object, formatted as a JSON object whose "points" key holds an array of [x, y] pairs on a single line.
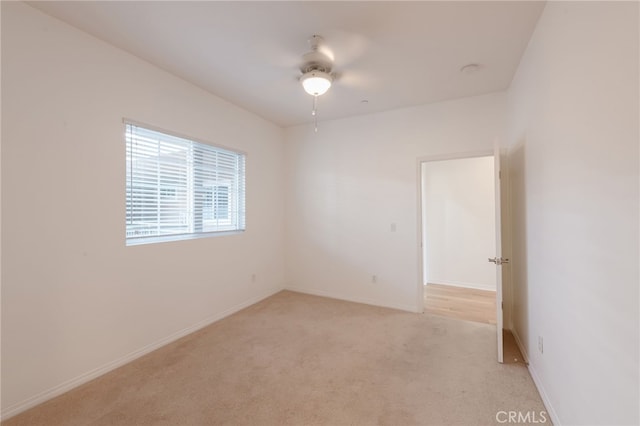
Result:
{"points": [[388, 55]]}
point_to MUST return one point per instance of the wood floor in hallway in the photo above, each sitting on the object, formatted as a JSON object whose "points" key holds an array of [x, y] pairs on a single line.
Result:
{"points": [[463, 303]]}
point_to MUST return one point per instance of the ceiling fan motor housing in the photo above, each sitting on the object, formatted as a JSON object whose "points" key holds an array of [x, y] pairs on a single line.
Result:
{"points": [[316, 59]]}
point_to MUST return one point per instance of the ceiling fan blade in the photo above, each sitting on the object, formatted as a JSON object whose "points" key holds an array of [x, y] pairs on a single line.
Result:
{"points": [[279, 55], [346, 47], [355, 79]]}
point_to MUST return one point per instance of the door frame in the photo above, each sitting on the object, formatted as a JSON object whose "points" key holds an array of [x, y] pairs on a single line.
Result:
{"points": [[420, 248]]}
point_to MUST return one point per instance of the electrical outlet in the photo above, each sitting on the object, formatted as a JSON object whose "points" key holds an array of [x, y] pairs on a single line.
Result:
{"points": [[540, 344], [393, 227], [374, 279], [253, 278]]}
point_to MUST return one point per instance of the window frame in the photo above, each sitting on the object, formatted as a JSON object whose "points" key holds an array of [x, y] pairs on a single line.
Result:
{"points": [[141, 240]]}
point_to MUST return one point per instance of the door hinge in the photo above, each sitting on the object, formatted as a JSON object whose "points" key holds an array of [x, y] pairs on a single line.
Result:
{"points": [[500, 174]]}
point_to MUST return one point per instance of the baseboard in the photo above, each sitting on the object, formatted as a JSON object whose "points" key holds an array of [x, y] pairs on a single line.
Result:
{"points": [[536, 380], [323, 293], [545, 398], [476, 286], [46, 395]]}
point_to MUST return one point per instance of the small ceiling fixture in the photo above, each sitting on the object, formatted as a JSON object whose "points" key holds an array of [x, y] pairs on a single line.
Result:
{"points": [[470, 68]]}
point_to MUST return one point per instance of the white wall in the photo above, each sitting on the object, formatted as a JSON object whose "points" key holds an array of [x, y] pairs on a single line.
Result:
{"points": [[573, 130], [348, 184], [459, 222], [75, 300]]}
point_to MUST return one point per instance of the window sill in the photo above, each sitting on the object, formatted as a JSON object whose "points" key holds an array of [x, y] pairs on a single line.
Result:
{"points": [[179, 237]]}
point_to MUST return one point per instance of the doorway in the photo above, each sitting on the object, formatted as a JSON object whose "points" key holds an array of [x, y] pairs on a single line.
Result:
{"points": [[458, 218]]}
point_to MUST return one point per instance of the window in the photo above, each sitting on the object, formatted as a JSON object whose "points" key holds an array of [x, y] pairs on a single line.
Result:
{"points": [[216, 204], [180, 189]]}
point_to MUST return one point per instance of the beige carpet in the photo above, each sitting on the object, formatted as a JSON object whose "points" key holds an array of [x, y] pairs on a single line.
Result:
{"points": [[295, 359]]}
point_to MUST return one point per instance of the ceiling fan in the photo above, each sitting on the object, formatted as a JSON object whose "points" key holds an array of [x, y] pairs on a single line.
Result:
{"points": [[316, 69]]}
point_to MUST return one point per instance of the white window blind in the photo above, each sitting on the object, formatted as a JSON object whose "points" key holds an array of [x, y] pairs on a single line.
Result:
{"points": [[180, 188]]}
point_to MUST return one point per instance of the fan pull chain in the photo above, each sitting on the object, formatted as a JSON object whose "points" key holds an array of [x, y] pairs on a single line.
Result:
{"points": [[314, 112]]}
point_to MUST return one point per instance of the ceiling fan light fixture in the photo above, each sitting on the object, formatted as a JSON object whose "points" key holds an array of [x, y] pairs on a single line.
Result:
{"points": [[316, 82]]}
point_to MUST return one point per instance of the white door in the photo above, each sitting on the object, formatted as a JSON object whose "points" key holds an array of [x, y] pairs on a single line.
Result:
{"points": [[498, 260]]}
